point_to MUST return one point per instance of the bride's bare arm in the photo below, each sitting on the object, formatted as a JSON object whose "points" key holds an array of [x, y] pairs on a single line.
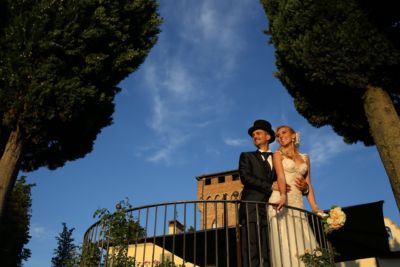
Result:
{"points": [[311, 196], [277, 163]]}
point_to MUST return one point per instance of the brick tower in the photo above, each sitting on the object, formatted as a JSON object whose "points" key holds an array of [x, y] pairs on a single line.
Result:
{"points": [[218, 186]]}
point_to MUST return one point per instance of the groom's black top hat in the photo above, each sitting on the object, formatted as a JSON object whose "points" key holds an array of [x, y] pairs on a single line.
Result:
{"points": [[262, 125]]}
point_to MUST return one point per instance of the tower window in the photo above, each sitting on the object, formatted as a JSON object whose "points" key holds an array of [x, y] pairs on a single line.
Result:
{"points": [[235, 195], [221, 179], [235, 177], [207, 181]]}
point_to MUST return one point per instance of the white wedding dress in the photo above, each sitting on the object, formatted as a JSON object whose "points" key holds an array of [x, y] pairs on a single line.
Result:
{"points": [[289, 231]]}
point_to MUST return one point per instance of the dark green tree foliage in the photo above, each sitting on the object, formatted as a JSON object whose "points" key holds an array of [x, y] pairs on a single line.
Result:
{"points": [[119, 229], [60, 66], [90, 255], [327, 52], [14, 231], [65, 253], [166, 262], [385, 16]]}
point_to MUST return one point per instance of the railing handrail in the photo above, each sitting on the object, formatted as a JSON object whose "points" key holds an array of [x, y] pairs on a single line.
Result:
{"points": [[223, 231], [233, 201]]}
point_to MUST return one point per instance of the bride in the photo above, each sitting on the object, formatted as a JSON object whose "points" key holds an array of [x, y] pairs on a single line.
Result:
{"points": [[290, 233]]}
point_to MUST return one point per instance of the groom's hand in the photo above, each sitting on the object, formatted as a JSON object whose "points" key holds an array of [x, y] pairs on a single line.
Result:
{"points": [[276, 188], [302, 185]]}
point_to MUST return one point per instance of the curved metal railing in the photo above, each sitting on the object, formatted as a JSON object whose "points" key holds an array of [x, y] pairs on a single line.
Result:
{"points": [[203, 233]]}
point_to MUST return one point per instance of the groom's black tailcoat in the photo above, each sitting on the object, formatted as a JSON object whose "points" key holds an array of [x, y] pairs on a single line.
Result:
{"points": [[257, 178]]}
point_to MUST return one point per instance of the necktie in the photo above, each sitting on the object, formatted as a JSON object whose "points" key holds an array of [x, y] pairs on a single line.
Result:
{"points": [[266, 154], [265, 157]]}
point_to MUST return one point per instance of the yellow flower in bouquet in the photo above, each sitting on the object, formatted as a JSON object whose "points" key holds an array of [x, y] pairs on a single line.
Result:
{"points": [[334, 219]]}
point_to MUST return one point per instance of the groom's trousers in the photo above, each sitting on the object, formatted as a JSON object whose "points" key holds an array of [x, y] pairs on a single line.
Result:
{"points": [[254, 242]]}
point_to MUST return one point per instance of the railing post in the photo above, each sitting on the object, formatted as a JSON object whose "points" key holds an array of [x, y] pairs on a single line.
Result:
{"points": [[226, 227], [238, 242]]}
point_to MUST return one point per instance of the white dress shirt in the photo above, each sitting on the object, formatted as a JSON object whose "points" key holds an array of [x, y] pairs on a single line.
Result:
{"points": [[269, 159]]}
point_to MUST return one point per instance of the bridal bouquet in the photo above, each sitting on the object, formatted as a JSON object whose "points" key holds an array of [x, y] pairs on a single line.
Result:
{"points": [[333, 220]]}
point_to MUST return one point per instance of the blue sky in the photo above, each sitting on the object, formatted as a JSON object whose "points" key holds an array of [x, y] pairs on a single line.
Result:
{"points": [[185, 112]]}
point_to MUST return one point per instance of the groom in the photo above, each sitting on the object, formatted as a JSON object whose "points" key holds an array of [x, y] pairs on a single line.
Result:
{"points": [[257, 177]]}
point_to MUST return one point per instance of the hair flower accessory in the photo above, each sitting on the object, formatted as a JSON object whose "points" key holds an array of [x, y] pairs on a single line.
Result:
{"points": [[297, 139]]}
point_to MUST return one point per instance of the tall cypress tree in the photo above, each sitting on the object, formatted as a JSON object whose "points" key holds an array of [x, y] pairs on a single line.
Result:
{"points": [[60, 66], [14, 230], [65, 253]]}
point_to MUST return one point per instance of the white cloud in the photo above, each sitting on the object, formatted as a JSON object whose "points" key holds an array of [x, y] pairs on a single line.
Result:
{"points": [[324, 146], [213, 151], [207, 22], [236, 142], [186, 70], [171, 92], [179, 81], [39, 232], [165, 152], [215, 30]]}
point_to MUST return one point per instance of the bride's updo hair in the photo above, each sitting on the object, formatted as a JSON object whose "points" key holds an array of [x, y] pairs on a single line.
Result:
{"points": [[296, 139]]}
